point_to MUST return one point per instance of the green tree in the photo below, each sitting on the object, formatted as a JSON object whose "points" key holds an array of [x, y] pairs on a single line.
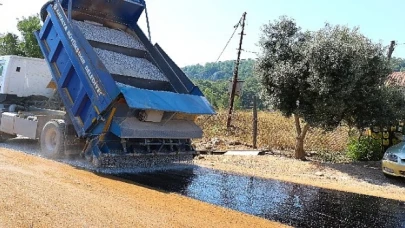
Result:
{"points": [[221, 73], [29, 45], [9, 45], [397, 64], [323, 78], [215, 92], [220, 70], [251, 88]]}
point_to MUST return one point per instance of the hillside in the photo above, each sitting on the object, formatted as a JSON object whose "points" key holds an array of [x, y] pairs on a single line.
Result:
{"points": [[220, 70], [213, 80]]}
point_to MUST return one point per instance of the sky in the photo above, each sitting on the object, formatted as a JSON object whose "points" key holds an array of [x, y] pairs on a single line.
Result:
{"points": [[193, 32]]}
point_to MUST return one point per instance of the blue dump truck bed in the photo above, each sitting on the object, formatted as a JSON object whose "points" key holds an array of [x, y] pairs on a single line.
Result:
{"points": [[122, 94]]}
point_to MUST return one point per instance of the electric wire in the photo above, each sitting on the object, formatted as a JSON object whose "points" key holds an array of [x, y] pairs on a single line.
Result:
{"points": [[233, 34]]}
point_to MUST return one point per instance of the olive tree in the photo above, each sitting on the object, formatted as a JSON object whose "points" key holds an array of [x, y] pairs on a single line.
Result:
{"points": [[323, 78]]}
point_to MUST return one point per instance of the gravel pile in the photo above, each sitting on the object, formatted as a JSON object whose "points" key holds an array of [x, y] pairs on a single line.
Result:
{"points": [[120, 64], [117, 63], [110, 36]]}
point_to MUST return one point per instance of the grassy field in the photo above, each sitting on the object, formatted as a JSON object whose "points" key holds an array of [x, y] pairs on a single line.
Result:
{"points": [[274, 132]]}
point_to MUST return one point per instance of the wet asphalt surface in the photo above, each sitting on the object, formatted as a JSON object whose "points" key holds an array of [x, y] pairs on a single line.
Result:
{"points": [[295, 205]]}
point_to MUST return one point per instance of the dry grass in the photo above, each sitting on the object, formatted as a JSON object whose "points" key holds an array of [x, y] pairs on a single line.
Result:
{"points": [[274, 131]]}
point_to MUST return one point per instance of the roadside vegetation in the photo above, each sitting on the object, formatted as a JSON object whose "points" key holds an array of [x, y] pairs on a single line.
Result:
{"points": [[330, 80], [275, 135]]}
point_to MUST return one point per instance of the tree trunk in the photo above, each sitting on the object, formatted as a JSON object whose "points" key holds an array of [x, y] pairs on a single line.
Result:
{"points": [[391, 49], [299, 149], [299, 141]]}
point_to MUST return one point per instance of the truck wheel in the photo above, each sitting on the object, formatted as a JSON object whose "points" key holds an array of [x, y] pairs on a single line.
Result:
{"points": [[52, 139]]}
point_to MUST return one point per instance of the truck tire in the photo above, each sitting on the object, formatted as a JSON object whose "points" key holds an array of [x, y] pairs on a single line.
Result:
{"points": [[52, 139]]}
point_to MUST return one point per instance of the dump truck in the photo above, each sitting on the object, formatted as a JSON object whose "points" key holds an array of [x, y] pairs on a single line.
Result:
{"points": [[112, 97]]}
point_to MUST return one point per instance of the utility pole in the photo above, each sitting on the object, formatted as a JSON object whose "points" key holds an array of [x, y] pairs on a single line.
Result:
{"points": [[235, 73]]}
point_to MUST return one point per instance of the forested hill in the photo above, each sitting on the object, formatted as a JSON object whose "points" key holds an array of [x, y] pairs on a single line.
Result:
{"points": [[220, 70], [398, 64], [213, 80]]}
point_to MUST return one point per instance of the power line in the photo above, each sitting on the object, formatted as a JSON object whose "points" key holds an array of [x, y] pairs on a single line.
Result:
{"points": [[253, 52], [236, 28]]}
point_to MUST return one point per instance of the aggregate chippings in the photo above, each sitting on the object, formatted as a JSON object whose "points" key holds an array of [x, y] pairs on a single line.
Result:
{"points": [[110, 36], [117, 63], [120, 64]]}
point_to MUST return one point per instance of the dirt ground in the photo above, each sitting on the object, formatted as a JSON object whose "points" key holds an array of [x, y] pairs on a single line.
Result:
{"points": [[40, 193], [363, 177]]}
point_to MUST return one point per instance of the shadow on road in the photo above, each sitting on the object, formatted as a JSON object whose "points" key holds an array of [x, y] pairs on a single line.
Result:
{"points": [[369, 172]]}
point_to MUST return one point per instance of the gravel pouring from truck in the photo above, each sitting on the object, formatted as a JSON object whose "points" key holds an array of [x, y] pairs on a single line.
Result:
{"points": [[124, 99]]}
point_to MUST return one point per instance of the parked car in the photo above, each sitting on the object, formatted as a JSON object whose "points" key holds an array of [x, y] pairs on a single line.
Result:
{"points": [[393, 163]]}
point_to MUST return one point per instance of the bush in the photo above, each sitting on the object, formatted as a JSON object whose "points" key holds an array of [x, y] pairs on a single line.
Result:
{"points": [[365, 149]]}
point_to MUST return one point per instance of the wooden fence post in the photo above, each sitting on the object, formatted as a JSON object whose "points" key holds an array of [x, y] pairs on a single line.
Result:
{"points": [[254, 123]]}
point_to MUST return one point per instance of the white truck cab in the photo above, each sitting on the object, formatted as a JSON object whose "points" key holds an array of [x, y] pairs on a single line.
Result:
{"points": [[24, 77]]}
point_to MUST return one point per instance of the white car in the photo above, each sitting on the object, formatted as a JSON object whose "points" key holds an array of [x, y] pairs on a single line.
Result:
{"points": [[393, 163]]}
